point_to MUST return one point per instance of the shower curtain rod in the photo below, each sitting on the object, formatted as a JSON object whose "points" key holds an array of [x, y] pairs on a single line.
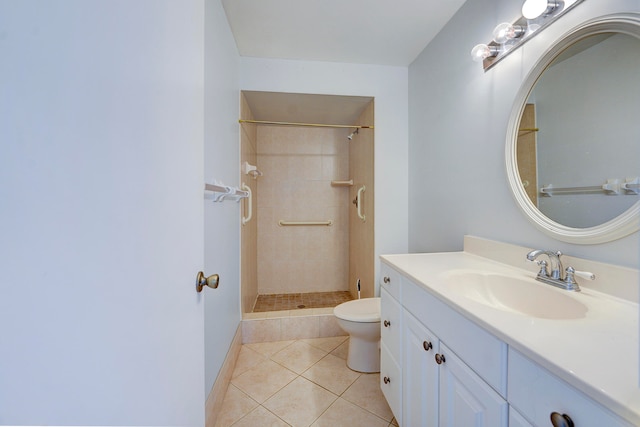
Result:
{"points": [[266, 122]]}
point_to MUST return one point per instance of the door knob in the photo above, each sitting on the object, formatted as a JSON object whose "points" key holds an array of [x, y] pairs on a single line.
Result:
{"points": [[201, 281]]}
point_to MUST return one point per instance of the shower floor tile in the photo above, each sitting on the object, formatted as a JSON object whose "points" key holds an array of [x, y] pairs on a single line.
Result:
{"points": [[277, 302]]}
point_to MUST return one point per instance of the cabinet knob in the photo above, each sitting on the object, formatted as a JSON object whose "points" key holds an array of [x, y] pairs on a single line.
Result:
{"points": [[440, 358], [561, 420], [387, 323], [427, 345], [386, 279], [386, 380]]}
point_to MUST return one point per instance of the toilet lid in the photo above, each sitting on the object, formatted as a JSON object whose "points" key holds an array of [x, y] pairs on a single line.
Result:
{"points": [[360, 310]]}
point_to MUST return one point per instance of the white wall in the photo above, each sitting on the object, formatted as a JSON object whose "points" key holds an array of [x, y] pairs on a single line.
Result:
{"points": [[458, 121], [221, 162], [101, 124], [388, 85]]}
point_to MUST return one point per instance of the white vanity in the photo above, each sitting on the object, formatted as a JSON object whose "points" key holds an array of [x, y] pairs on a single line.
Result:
{"points": [[472, 339]]}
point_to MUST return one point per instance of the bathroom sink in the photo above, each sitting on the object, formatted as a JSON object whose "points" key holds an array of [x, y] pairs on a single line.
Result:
{"points": [[515, 294]]}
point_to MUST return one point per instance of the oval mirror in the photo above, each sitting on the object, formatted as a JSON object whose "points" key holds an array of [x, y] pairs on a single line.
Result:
{"points": [[573, 143]]}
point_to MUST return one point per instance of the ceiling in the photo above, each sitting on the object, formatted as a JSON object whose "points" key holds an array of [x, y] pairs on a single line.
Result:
{"points": [[381, 32], [306, 108]]}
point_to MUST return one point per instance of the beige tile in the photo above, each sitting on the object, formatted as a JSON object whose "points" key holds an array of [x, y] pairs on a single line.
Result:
{"points": [[261, 330], [301, 312], [300, 403], [328, 326], [300, 327], [247, 359], [253, 316], [345, 414], [263, 380], [278, 314], [298, 357], [342, 351], [332, 373], [260, 417], [269, 348], [365, 392], [393, 422], [235, 406], [327, 344]]}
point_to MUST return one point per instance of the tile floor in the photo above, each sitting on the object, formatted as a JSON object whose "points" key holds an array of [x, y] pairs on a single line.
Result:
{"points": [[302, 382], [277, 302]]}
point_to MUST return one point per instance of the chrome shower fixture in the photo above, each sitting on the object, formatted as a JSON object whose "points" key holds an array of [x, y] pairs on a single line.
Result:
{"points": [[355, 132]]}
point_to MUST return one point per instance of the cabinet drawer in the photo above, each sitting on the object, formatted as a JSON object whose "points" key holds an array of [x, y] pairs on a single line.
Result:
{"points": [[390, 280], [536, 393], [391, 382], [483, 352], [391, 324]]}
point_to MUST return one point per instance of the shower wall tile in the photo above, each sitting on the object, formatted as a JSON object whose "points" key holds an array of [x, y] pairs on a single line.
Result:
{"points": [[261, 330], [300, 327], [287, 325], [361, 257], [249, 233], [298, 165], [328, 327]]}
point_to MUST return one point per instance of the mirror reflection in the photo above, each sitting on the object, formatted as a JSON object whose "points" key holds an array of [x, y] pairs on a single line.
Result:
{"points": [[578, 145]]}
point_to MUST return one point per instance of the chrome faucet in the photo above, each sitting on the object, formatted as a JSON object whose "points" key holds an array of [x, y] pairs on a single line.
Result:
{"points": [[554, 258], [555, 278]]}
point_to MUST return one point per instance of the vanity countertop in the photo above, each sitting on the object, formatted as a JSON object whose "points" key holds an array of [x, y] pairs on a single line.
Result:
{"points": [[597, 354]]}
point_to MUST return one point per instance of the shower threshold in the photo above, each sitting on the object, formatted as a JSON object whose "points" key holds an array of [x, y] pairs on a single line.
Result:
{"points": [[294, 301]]}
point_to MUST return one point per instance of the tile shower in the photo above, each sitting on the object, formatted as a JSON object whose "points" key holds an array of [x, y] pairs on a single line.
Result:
{"points": [[298, 165]]}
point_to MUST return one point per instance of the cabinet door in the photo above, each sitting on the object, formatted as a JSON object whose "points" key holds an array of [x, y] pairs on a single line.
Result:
{"points": [[465, 399], [517, 420], [419, 374]]}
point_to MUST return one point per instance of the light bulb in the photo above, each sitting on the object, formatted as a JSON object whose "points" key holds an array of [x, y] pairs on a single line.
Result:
{"points": [[481, 51], [531, 9], [506, 31]]}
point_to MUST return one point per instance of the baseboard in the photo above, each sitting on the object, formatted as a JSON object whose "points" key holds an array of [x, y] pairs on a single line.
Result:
{"points": [[219, 389]]}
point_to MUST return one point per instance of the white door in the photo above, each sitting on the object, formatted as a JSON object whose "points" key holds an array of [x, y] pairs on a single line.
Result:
{"points": [[101, 213]]}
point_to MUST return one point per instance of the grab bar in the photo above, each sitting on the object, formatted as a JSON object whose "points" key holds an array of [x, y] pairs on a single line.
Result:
{"points": [[359, 203], [289, 223], [250, 207]]}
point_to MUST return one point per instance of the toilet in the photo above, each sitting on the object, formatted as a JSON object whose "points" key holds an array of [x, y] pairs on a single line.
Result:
{"points": [[361, 320]]}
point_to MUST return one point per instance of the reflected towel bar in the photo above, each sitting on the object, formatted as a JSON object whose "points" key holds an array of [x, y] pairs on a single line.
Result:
{"points": [[612, 187], [289, 223], [224, 192]]}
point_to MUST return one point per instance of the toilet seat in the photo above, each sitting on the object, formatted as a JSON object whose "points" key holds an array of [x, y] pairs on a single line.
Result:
{"points": [[366, 310]]}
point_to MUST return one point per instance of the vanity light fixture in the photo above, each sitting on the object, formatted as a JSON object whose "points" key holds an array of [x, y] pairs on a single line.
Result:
{"points": [[482, 51], [532, 9], [536, 15], [506, 31]]}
